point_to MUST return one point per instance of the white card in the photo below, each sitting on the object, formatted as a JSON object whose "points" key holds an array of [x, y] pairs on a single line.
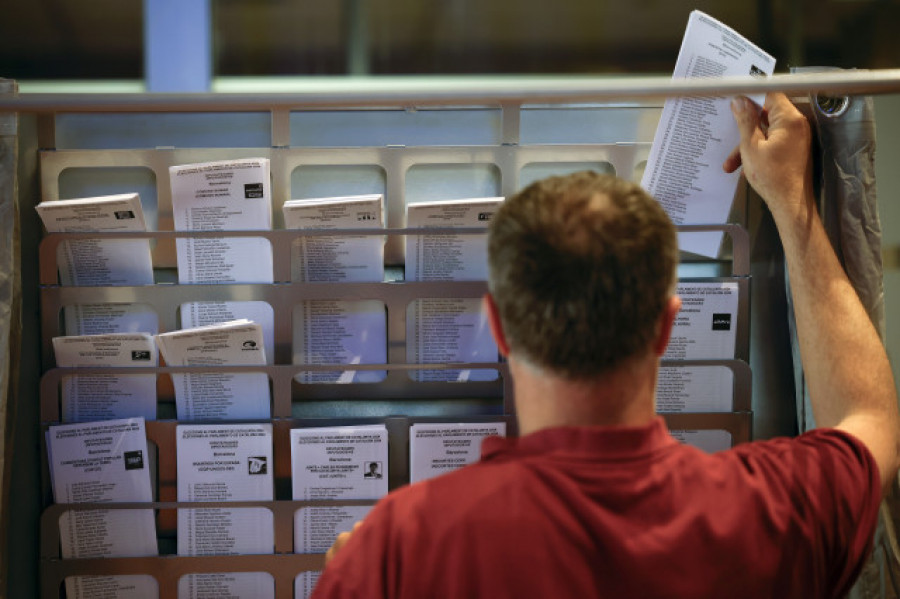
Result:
{"points": [[695, 389], [706, 326], [348, 258], [340, 332], [225, 462], [437, 448], [316, 527], [107, 262], [219, 395], [230, 585], [102, 462], [695, 135], [228, 195], [341, 462]]}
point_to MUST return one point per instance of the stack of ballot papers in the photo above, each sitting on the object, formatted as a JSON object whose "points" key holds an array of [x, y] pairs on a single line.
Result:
{"points": [[695, 135], [106, 262], [229, 195], [338, 331], [449, 329], [438, 448], [221, 463], [334, 463], [103, 462], [218, 395], [94, 397]]}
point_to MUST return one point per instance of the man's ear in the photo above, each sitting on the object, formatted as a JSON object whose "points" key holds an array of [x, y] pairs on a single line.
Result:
{"points": [[666, 322], [496, 326]]}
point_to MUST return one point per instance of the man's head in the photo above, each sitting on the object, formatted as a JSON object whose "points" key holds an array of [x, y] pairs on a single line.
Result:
{"points": [[581, 270]]}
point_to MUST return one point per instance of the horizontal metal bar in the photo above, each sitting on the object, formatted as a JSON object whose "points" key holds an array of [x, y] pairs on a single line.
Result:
{"points": [[481, 91]]}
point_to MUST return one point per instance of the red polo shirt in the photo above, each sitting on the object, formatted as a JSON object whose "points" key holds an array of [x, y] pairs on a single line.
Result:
{"points": [[622, 512]]}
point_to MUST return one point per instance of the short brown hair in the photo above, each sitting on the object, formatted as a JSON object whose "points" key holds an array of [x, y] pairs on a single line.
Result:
{"points": [[581, 268]]}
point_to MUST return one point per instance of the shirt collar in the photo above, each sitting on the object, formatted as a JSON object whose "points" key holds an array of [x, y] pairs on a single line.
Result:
{"points": [[598, 441]]}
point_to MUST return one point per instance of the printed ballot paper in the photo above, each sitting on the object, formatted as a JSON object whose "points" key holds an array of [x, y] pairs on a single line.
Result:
{"points": [[706, 326], [218, 395], [695, 135], [695, 389], [316, 527], [333, 331], [107, 396], [102, 319], [225, 462], [103, 462], [230, 195], [304, 584], [449, 329], [127, 586], [202, 314], [437, 448], [709, 441], [106, 262], [340, 462]]}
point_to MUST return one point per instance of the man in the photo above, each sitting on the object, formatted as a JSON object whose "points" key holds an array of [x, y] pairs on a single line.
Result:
{"points": [[595, 499]]}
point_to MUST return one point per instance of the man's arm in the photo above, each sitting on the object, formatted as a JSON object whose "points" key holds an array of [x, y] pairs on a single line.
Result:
{"points": [[851, 386]]}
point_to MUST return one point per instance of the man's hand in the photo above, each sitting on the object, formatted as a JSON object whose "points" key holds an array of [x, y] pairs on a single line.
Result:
{"points": [[775, 153], [339, 542]]}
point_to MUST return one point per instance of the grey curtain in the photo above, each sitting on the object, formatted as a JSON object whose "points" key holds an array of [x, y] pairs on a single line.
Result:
{"points": [[845, 172]]}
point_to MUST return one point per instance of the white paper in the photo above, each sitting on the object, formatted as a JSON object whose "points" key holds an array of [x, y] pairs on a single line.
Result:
{"points": [[342, 462], [340, 332], [316, 527], [108, 262], [304, 584], [102, 319], [695, 135], [437, 448], [449, 330], [200, 314], [225, 462], [706, 326], [102, 462], [107, 396], [218, 395], [709, 441], [449, 257], [347, 258], [695, 389], [127, 586], [228, 195], [227, 585]]}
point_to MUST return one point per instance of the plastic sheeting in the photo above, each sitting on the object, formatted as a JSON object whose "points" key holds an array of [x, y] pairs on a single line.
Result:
{"points": [[10, 324], [845, 161]]}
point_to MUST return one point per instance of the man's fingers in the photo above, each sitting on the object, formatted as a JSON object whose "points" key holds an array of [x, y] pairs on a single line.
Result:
{"points": [[747, 118], [733, 162]]}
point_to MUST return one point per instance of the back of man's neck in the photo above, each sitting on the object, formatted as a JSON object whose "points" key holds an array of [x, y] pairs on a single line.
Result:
{"points": [[625, 397]]}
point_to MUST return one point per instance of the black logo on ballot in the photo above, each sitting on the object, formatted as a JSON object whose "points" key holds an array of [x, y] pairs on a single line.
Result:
{"points": [[253, 190]]}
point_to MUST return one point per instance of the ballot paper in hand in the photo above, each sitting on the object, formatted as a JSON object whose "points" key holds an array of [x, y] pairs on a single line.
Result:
{"points": [[229, 195], [449, 329], [218, 395], [225, 462], [332, 331], [340, 462], [437, 448], [107, 396], [107, 262], [102, 462], [695, 135]]}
